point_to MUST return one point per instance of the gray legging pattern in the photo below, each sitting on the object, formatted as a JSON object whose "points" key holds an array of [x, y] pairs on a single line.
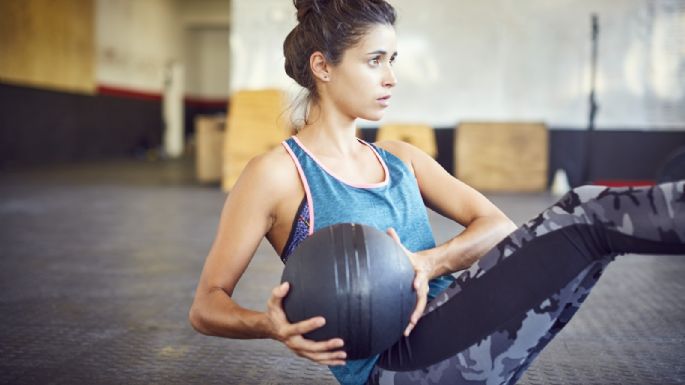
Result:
{"points": [[489, 326]]}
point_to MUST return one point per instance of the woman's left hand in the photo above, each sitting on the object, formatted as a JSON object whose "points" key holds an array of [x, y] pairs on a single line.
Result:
{"points": [[422, 268]]}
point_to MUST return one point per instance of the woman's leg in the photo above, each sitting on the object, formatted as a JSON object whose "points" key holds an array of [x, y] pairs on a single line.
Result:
{"points": [[491, 323], [570, 307]]}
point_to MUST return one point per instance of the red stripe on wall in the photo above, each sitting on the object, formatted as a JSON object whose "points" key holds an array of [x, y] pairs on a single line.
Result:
{"points": [[624, 183], [189, 101], [128, 93]]}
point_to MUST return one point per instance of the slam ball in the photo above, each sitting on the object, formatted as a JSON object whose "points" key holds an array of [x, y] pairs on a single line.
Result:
{"points": [[356, 277]]}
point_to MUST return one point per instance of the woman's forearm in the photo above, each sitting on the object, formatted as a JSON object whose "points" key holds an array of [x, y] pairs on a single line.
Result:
{"points": [[216, 314], [466, 248]]}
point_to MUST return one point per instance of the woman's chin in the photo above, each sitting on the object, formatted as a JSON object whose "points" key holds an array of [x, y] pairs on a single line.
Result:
{"points": [[373, 116]]}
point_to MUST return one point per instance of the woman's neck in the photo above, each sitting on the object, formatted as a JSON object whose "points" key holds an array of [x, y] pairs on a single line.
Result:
{"points": [[330, 133]]}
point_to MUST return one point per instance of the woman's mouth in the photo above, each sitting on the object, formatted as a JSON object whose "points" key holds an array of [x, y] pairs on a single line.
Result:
{"points": [[384, 101]]}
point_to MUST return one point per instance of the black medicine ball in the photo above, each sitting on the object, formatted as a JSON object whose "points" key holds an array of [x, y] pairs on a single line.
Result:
{"points": [[356, 277]]}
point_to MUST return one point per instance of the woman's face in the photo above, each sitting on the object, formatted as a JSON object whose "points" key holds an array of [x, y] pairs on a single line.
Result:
{"points": [[365, 75]]}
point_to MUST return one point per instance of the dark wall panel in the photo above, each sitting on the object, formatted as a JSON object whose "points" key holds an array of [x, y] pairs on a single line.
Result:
{"points": [[39, 126], [632, 155], [615, 154]]}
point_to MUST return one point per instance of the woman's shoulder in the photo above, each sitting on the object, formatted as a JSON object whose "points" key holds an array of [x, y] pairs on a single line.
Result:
{"points": [[402, 150], [272, 172], [273, 166]]}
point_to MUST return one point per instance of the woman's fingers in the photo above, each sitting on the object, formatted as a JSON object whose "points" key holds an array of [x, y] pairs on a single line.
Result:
{"points": [[303, 344], [323, 352], [306, 326], [418, 311], [332, 363], [277, 294], [281, 290], [284, 329], [393, 234], [275, 306], [420, 283], [421, 287], [326, 357]]}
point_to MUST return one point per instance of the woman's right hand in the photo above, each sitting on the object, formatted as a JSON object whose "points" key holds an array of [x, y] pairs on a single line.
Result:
{"points": [[323, 352]]}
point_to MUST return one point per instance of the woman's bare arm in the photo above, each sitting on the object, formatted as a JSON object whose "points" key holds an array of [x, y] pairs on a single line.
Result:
{"points": [[485, 224], [248, 214]]}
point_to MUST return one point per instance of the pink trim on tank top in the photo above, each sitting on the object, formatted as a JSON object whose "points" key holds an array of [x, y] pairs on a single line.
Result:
{"points": [[307, 193], [358, 185]]}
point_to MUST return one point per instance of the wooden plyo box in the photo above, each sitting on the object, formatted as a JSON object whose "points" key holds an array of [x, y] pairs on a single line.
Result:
{"points": [[502, 157], [256, 124], [209, 138], [420, 135]]}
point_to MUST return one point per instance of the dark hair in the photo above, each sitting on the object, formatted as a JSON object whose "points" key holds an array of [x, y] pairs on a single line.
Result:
{"points": [[329, 26]]}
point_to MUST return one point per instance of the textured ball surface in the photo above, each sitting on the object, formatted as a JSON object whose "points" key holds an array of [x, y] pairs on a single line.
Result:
{"points": [[356, 277]]}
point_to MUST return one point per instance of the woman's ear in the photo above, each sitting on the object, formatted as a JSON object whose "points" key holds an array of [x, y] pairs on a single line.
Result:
{"points": [[319, 66]]}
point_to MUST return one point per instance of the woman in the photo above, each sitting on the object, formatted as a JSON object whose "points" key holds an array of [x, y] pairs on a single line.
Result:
{"points": [[342, 52]]}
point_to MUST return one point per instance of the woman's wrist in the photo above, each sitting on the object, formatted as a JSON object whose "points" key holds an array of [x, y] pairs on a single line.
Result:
{"points": [[229, 320], [465, 249], [435, 259], [266, 327]]}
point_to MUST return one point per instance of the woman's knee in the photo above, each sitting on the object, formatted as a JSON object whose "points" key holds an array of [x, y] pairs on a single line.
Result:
{"points": [[586, 192]]}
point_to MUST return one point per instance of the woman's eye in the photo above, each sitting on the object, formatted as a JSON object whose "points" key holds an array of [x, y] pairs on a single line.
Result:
{"points": [[377, 61]]}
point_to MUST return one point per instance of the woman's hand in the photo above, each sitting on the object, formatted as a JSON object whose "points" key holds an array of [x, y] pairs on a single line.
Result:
{"points": [[422, 268], [291, 334]]}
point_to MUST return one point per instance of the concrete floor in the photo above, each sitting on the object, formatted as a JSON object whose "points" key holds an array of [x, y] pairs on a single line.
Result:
{"points": [[99, 262]]}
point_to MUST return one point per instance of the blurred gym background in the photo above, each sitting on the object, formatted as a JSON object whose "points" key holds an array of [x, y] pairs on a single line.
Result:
{"points": [[91, 80], [123, 124]]}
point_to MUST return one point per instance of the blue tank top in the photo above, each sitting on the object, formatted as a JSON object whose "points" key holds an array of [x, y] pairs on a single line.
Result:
{"points": [[395, 202]]}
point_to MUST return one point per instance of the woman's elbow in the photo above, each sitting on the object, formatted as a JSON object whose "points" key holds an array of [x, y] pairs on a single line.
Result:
{"points": [[509, 225], [502, 226], [196, 320]]}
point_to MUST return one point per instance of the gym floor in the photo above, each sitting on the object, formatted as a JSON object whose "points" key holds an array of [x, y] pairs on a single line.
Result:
{"points": [[99, 262]]}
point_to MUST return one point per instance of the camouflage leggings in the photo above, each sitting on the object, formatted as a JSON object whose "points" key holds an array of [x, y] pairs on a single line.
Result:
{"points": [[489, 325]]}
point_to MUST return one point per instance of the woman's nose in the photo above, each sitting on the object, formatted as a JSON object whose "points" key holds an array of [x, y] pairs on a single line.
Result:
{"points": [[389, 80]]}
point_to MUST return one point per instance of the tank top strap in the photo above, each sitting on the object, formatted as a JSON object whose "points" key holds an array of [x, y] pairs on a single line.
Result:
{"points": [[297, 155]]}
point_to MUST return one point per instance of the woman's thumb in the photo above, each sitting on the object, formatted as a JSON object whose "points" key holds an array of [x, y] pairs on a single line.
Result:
{"points": [[392, 233]]}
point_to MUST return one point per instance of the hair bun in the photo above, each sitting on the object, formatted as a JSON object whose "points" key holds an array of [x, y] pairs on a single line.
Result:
{"points": [[307, 7]]}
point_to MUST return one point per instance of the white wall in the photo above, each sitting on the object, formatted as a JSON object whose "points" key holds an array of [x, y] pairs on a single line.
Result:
{"points": [[136, 39], [207, 62], [206, 26], [204, 12], [504, 60], [258, 29]]}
